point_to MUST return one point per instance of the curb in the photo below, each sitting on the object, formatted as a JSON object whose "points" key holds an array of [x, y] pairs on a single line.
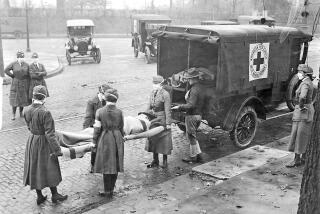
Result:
{"points": [[54, 72]]}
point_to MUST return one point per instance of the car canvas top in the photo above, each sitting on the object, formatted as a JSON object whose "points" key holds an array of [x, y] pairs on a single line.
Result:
{"points": [[79, 22], [228, 32]]}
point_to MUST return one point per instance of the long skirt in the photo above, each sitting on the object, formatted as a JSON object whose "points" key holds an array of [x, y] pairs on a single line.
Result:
{"points": [[35, 82], [40, 170], [160, 143], [300, 136], [110, 153], [19, 92]]}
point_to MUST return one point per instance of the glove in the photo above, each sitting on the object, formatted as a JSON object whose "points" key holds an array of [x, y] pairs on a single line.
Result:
{"points": [[168, 126]]}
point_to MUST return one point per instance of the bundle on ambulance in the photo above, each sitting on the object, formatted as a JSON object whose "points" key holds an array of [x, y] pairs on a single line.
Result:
{"points": [[245, 70]]}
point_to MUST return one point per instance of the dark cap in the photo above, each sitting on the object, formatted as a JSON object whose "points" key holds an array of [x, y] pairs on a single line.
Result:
{"points": [[40, 90], [20, 54], [305, 69], [35, 55], [112, 95], [104, 87], [192, 73]]}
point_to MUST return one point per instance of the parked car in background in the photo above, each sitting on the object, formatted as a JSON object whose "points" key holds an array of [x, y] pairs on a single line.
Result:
{"points": [[81, 44], [13, 27], [256, 20], [246, 71], [142, 26]]}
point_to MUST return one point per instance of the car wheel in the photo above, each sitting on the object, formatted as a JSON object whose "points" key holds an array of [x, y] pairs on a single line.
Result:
{"points": [[245, 127], [182, 127], [291, 91], [97, 57], [68, 56], [147, 55]]}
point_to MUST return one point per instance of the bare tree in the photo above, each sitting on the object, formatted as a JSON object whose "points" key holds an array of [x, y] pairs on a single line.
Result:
{"points": [[310, 185]]}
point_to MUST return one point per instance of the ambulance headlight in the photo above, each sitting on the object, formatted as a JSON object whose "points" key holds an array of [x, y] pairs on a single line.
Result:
{"points": [[89, 47]]}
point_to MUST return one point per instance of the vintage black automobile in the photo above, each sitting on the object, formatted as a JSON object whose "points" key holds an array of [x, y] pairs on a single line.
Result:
{"points": [[80, 44], [142, 26], [249, 69], [256, 20]]}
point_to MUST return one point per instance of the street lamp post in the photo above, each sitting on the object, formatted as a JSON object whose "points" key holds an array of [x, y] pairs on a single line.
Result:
{"points": [[27, 26]]}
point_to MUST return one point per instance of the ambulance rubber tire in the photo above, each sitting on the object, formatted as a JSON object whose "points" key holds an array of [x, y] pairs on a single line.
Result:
{"points": [[68, 57], [291, 91], [97, 56], [147, 55], [246, 125]]}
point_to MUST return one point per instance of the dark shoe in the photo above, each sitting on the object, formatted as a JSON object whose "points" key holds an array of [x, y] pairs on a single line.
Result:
{"points": [[91, 169], [294, 163], [41, 200], [105, 194], [58, 197], [200, 158], [165, 164], [154, 163]]}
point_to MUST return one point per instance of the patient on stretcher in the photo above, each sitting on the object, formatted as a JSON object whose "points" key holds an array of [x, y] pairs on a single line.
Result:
{"points": [[76, 144]]}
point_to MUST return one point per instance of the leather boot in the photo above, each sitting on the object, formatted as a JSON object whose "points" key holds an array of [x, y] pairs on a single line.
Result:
{"points": [[155, 161], [296, 162], [106, 185], [40, 197], [56, 197], [303, 158], [165, 161]]}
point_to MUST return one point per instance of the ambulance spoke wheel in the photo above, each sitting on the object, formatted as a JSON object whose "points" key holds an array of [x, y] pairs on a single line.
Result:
{"points": [[291, 91], [245, 127]]}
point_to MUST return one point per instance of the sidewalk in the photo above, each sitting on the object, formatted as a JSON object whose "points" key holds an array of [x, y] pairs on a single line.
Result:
{"points": [[265, 187]]}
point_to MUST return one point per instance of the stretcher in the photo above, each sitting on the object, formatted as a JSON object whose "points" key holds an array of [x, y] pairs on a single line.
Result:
{"points": [[76, 144]]}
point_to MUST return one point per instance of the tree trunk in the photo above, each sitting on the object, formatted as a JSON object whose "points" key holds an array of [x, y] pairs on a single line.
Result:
{"points": [[309, 202]]}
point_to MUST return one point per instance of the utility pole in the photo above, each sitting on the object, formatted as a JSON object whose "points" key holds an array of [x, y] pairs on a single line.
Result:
{"points": [[27, 24], [1, 76]]}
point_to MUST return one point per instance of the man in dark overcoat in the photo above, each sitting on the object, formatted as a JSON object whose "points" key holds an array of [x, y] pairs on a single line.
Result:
{"points": [[37, 73]]}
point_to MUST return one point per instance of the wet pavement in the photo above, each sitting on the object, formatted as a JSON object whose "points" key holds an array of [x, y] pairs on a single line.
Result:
{"points": [[69, 92]]}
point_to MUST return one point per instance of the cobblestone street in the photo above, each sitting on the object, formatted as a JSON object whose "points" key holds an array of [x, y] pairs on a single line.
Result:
{"points": [[69, 92]]}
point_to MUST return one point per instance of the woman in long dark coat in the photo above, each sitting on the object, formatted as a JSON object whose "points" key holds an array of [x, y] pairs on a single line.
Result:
{"points": [[37, 73], [108, 138], [41, 166], [160, 106], [302, 116], [19, 72]]}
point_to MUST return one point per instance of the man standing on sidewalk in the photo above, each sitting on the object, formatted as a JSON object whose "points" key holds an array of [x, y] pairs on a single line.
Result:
{"points": [[195, 98], [93, 105]]}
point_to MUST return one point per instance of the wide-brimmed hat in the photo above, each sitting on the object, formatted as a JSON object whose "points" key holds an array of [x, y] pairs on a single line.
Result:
{"points": [[40, 90], [104, 87], [20, 54], [112, 95], [305, 69], [150, 115], [157, 79], [35, 55], [192, 73]]}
